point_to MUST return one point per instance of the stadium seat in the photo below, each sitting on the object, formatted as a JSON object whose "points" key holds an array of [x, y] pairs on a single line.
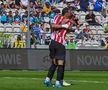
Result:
{"points": [[42, 46], [82, 18], [16, 28], [97, 13], [87, 43], [8, 27], [22, 10], [79, 43], [82, 13], [7, 10], [100, 31], [21, 14], [95, 43], [92, 27], [1, 27]]}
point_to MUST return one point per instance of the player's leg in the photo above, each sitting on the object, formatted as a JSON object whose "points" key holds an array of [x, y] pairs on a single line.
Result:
{"points": [[53, 64], [60, 56], [60, 73], [52, 69], [64, 83], [63, 73]]}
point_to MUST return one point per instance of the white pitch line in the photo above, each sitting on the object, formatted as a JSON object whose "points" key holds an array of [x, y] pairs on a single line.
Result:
{"points": [[21, 78], [83, 81], [87, 81]]}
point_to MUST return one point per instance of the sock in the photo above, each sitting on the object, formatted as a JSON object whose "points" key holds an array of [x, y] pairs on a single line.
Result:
{"points": [[51, 71], [63, 73], [47, 79], [57, 82], [60, 72]]}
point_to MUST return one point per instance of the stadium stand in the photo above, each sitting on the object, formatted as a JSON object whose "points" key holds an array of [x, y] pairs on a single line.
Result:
{"points": [[13, 23]]}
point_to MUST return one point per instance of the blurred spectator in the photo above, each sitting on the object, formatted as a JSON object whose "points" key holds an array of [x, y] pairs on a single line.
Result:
{"points": [[71, 44], [34, 1], [1, 44], [32, 39], [37, 16], [70, 4], [98, 5], [106, 27], [75, 19], [78, 33], [10, 17], [4, 17], [47, 40], [53, 2], [23, 27], [106, 45], [91, 19], [102, 42], [25, 17], [84, 5], [17, 17], [2, 6], [55, 10], [39, 6], [5, 43], [47, 35], [47, 8], [21, 4], [104, 8], [87, 32], [1, 1], [19, 42], [32, 7], [51, 16], [0, 16], [17, 4], [12, 4], [24, 4], [42, 34], [36, 30], [77, 4], [91, 4], [32, 18], [8, 2]]}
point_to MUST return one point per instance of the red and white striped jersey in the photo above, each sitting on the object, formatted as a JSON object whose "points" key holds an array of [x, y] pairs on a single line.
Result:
{"points": [[59, 35]]}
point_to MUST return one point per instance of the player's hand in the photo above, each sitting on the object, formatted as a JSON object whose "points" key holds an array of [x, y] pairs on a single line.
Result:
{"points": [[65, 26]]}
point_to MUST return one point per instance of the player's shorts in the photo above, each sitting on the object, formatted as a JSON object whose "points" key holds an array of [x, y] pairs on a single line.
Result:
{"points": [[57, 50]]}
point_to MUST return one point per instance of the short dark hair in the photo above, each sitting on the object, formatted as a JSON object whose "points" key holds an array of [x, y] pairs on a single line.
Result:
{"points": [[65, 10]]}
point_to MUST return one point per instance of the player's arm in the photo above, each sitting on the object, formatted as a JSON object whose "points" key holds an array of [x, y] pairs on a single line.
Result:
{"points": [[55, 26]]}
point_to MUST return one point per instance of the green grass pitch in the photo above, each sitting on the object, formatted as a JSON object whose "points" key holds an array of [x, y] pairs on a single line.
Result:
{"points": [[33, 80]]}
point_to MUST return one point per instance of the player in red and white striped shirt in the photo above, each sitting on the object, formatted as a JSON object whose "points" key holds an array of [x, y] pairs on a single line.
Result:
{"points": [[60, 25]]}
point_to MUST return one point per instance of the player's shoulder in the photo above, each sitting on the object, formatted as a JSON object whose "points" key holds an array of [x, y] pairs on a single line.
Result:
{"points": [[58, 15]]}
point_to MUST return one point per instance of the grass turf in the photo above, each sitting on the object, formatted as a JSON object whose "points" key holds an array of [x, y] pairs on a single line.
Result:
{"points": [[33, 80]]}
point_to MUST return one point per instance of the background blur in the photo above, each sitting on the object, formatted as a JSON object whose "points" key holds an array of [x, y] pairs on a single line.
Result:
{"points": [[26, 24]]}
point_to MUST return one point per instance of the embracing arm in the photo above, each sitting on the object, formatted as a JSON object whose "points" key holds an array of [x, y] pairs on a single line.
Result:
{"points": [[55, 26]]}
